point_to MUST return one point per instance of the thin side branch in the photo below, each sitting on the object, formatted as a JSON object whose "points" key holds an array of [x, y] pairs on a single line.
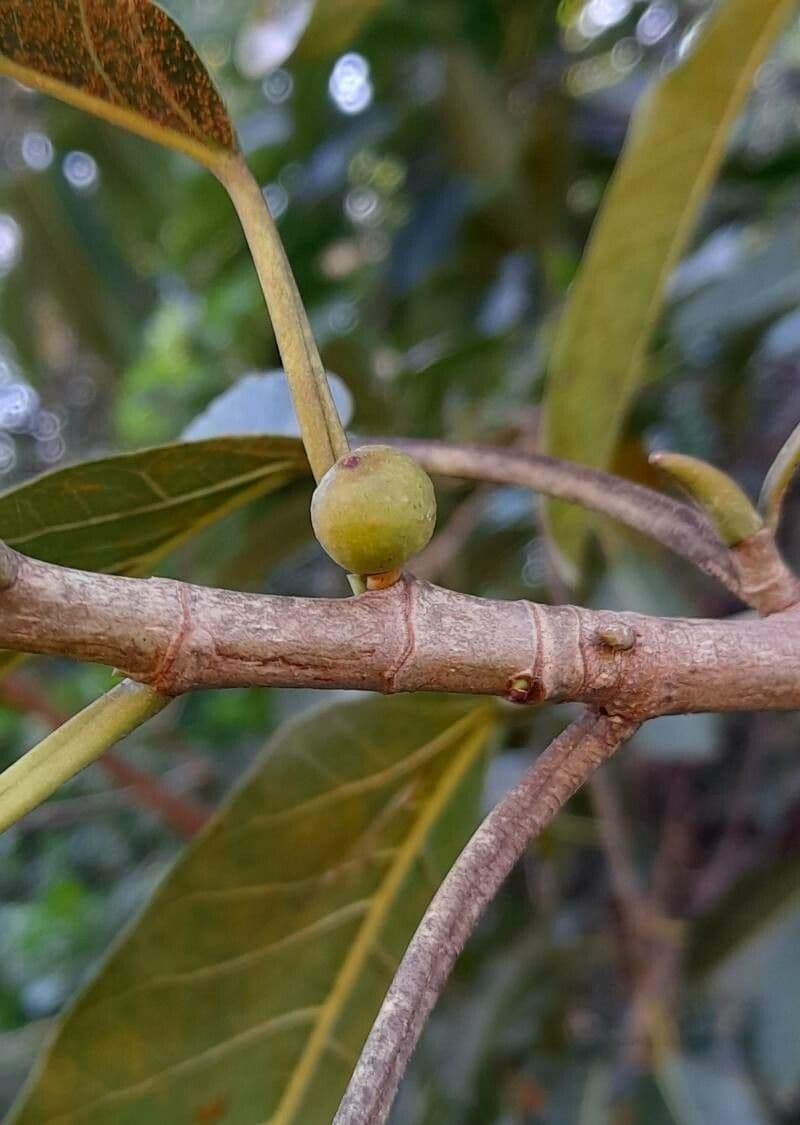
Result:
{"points": [[472, 883], [765, 581], [678, 526]]}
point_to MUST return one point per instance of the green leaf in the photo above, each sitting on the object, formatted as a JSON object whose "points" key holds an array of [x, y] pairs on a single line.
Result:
{"points": [[726, 505], [126, 61], [777, 1016], [675, 146], [121, 514], [777, 481], [334, 24], [753, 905], [250, 983], [699, 1091]]}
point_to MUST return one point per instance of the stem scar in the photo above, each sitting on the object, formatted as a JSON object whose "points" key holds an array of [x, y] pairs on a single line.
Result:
{"points": [[523, 688]]}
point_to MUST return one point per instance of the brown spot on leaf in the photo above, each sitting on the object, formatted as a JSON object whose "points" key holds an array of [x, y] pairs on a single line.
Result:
{"points": [[210, 1112]]}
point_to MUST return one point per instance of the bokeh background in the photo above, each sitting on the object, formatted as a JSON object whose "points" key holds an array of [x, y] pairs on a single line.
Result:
{"points": [[434, 169]]}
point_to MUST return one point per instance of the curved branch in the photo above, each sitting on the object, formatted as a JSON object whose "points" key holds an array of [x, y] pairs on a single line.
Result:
{"points": [[472, 883], [678, 526]]}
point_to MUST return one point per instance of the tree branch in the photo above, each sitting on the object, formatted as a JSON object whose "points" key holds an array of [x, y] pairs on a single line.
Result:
{"points": [[472, 883], [412, 637], [678, 526], [765, 581]]}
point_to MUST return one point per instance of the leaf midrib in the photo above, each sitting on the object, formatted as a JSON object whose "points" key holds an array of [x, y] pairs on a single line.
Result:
{"points": [[255, 475], [331, 1009], [312, 806]]}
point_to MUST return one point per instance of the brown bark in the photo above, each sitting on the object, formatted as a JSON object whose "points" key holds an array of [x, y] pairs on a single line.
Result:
{"points": [[765, 582], [411, 637]]}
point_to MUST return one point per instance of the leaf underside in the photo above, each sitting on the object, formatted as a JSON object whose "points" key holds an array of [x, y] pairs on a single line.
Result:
{"points": [[126, 61], [246, 990], [121, 515]]}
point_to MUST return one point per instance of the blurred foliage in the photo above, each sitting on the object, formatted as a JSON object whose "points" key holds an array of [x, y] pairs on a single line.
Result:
{"points": [[434, 172]]}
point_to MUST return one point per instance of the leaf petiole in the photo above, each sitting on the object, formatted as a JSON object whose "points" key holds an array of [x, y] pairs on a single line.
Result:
{"points": [[73, 746], [320, 427]]}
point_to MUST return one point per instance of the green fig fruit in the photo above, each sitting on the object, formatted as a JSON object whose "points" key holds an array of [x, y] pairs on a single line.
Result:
{"points": [[374, 510]]}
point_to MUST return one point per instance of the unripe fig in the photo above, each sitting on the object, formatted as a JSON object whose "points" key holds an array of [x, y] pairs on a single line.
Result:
{"points": [[374, 510]]}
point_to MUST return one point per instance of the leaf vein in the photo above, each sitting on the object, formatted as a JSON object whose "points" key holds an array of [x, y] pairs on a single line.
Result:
{"points": [[288, 1021], [149, 509], [410, 764]]}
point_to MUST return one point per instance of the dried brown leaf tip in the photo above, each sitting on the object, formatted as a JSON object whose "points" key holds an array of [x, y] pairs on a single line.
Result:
{"points": [[124, 60]]}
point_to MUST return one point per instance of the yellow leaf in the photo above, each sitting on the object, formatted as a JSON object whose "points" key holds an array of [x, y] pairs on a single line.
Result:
{"points": [[676, 143]]}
